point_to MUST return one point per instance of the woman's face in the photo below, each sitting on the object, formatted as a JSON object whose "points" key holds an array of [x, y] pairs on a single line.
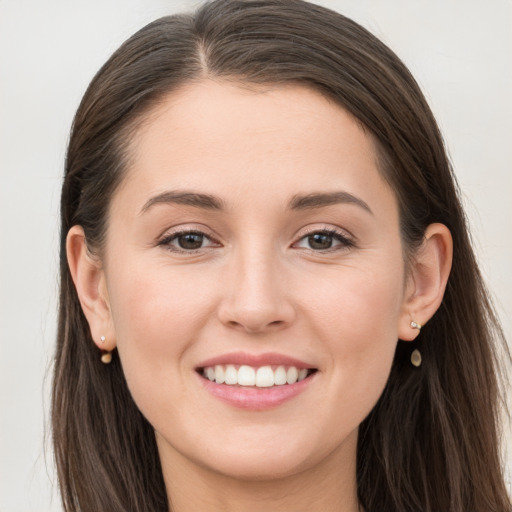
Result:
{"points": [[254, 230]]}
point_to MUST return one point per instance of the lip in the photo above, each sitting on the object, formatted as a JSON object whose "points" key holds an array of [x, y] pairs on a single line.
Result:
{"points": [[255, 360], [256, 399], [253, 398]]}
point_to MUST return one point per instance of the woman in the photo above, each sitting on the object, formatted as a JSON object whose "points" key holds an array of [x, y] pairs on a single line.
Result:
{"points": [[269, 300]]}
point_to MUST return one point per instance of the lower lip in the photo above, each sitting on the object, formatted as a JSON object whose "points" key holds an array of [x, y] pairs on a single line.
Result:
{"points": [[256, 399]]}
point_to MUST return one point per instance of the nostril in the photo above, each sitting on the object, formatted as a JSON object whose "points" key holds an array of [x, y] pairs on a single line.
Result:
{"points": [[252, 310], [253, 327]]}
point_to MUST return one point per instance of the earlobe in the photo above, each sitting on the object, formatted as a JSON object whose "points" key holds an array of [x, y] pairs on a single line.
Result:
{"points": [[427, 280], [89, 279]]}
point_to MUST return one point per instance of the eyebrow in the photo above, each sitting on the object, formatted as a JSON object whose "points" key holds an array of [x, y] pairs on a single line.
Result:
{"points": [[298, 202], [322, 199], [195, 199]]}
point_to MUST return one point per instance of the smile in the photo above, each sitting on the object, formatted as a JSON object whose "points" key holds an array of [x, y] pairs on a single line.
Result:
{"points": [[256, 381], [249, 376]]}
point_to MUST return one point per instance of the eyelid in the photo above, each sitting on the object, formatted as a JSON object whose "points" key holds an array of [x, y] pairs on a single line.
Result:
{"points": [[186, 227], [330, 228]]}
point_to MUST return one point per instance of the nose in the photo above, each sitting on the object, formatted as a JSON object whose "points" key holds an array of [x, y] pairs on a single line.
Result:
{"points": [[256, 298]]}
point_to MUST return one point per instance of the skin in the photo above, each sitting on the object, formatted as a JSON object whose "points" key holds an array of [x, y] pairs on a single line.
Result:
{"points": [[256, 285]]}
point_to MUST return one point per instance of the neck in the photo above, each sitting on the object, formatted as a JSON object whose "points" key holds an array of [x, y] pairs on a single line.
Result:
{"points": [[329, 486]]}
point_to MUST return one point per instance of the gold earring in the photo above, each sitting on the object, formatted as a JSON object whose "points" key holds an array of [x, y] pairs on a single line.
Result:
{"points": [[106, 356], [416, 358], [416, 354]]}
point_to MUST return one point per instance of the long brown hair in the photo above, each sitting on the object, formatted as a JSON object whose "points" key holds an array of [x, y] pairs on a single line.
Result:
{"points": [[431, 444]]}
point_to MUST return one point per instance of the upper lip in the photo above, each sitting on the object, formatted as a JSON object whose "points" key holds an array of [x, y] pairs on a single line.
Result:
{"points": [[255, 360]]}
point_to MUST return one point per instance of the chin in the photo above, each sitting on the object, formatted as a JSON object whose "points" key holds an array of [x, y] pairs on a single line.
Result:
{"points": [[260, 466], [272, 455]]}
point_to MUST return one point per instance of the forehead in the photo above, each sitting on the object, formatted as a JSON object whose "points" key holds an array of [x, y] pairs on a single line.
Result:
{"points": [[224, 136], [210, 109]]}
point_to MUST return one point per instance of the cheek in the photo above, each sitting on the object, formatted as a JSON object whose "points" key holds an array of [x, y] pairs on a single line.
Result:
{"points": [[362, 304], [154, 306], [357, 319], [157, 314]]}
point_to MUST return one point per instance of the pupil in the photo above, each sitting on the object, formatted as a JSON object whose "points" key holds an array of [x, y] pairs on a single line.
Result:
{"points": [[191, 241], [320, 241]]}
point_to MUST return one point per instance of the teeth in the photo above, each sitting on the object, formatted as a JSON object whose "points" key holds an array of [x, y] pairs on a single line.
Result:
{"points": [[262, 377], [265, 377], [219, 374], [280, 376], [246, 376], [291, 375], [230, 375]]}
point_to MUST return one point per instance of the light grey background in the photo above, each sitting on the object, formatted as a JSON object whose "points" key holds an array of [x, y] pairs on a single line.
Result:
{"points": [[459, 50]]}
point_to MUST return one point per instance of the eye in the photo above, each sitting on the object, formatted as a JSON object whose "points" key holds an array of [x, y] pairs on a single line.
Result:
{"points": [[324, 240], [187, 241]]}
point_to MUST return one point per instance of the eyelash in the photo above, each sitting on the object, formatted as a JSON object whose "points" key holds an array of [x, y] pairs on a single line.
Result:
{"points": [[344, 242], [167, 241], [338, 235]]}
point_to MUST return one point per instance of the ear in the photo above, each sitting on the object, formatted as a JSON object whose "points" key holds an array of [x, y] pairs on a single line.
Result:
{"points": [[90, 284], [426, 281]]}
